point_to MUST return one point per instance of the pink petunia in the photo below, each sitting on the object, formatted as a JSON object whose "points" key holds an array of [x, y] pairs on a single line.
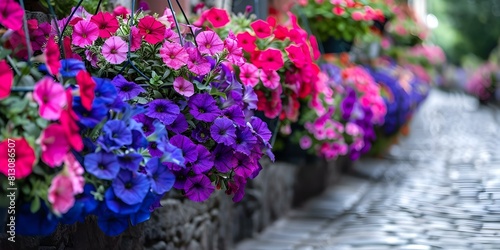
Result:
{"points": [[305, 142], [61, 194], [54, 145], [235, 55], [107, 24], [6, 78], [209, 42], [75, 173], [196, 63], [271, 59], [11, 14], [174, 55], [249, 75], [183, 86], [51, 98], [337, 10], [357, 16], [270, 79], [115, 50], [85, 33]]}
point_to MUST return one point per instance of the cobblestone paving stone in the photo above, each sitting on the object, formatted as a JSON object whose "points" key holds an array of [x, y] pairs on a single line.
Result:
{"points": [[439, 188]]}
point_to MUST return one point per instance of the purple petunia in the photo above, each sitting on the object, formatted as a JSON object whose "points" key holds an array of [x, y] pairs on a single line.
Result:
{"points": [[203, 107], [187, 146], [147, 123], [245, 166], [235, 114], [223, 158], [164, 110], [179, 125], [245, 141], [250, 98], [261, 130], [102, 164], [223, 131], [130, 187], [161, 179], [130, 161], [200, 134], [203, 162], [198, 188], [126, 90]]}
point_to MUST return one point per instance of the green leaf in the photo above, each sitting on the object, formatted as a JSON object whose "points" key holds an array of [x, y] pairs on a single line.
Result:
{"points": [[35, 205]]}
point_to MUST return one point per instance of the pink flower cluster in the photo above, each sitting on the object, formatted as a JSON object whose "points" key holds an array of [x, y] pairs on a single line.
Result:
{"points": [[433, 53]]}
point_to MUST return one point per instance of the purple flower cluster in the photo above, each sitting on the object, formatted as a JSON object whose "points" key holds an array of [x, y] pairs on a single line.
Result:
{"points": [[129, 181]]}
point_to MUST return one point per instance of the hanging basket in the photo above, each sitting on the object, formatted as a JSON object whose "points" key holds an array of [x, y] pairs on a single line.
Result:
{"points": [[336, 46]]}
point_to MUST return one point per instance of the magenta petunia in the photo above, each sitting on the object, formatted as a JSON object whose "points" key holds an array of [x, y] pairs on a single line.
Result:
{"points": [[174, 55], [84, 33], [183, 86], [115, 50], [209, 42], [11, 14]]}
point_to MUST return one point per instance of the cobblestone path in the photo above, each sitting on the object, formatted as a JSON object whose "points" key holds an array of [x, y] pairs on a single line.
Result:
{"points": [[438, 189]]}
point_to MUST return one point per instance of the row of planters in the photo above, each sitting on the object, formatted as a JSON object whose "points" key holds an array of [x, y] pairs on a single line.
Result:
{"points": [[482, 80], [103, 116]]}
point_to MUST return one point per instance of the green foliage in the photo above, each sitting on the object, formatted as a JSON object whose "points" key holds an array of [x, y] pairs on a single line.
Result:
{"points": [[63, 8]]}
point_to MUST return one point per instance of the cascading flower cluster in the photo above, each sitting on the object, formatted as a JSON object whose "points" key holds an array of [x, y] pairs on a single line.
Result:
{"points": [[185, 89], [483, 82], [280, 65]]}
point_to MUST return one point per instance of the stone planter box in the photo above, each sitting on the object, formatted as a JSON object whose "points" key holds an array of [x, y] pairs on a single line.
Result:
{"points": [[216, 224]]}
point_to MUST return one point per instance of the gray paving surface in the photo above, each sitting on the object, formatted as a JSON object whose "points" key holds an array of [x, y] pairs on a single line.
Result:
{"points": [[438, 189]]}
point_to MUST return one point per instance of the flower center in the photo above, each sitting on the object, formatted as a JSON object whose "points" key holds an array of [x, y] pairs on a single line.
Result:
{"points": [[159, 109], [114, 51], [84, 35], [128, 185], [153, 145], [201, 110], [148, 31], [208, 46], [101, 166], [126, 88]]}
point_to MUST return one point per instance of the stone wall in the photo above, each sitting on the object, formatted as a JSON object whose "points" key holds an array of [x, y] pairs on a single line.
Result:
{"points": [[212, 225]]}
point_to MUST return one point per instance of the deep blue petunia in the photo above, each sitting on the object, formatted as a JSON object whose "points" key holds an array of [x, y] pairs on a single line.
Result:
{"points": [[161, 179], [74, 214], [200, 134], [103, 165], [116, 205], [131, 187], [116, 135], [71, 67], [130, 161], [90, 118], [144, 212], [41, 223], [112, 224], [87, 198], [105, 91]]}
